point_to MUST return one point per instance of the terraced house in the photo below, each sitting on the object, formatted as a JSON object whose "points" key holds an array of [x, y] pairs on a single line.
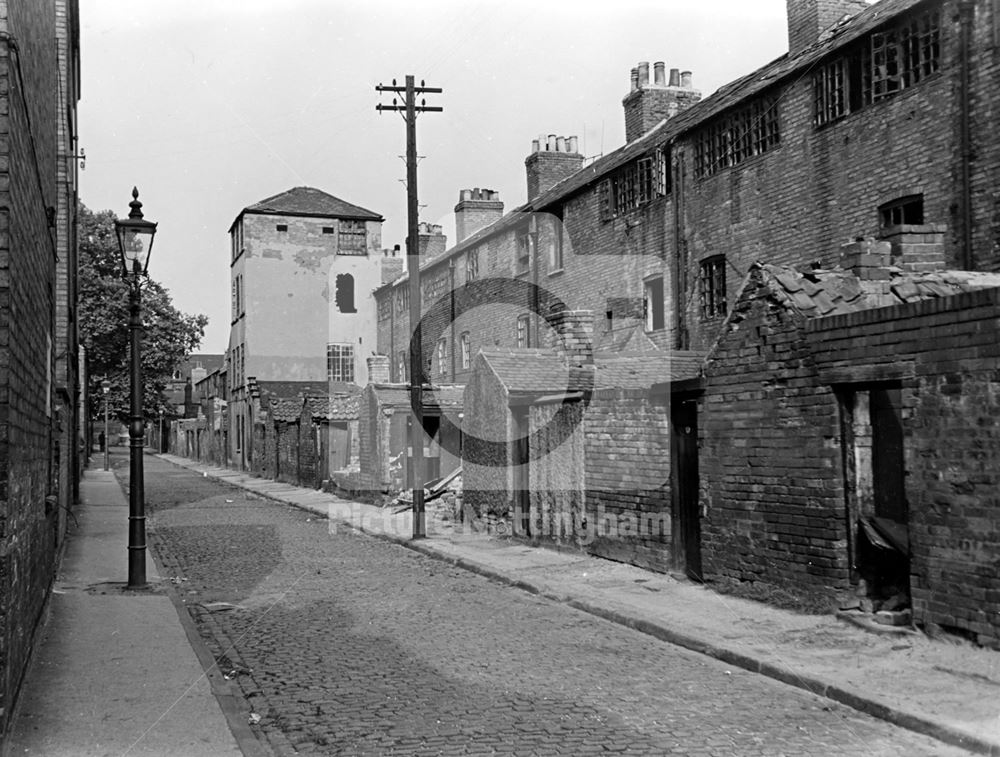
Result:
{"points": [[877, 125]]}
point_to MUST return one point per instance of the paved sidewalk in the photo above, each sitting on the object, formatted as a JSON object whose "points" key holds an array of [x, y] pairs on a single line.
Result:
{"points": [[943, 688], [114, 672]]}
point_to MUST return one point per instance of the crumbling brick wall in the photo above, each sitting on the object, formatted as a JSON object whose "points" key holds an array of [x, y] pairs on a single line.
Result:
{"points": [[946, 354], [771, 488]]}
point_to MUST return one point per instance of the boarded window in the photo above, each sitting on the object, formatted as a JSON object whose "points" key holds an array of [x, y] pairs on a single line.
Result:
{"points": [[344, 295]]}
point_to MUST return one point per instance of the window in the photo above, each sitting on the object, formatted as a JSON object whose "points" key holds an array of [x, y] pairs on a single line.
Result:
{"points": [[442, 357], [281, 227], [353, 238], [401, 363], [403, 297], [340, 362], [466, 351], [881, 65], [556, 246], [635, 184], [525, 245], [327, 229], [712, 286], [344, 293], [472, 265], [737, 136], [908, 210], [237, 239], [652, 304], [523, 331]]}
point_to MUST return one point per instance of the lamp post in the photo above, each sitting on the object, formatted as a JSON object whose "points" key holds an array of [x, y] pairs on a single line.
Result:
{"points": [[135, 241], [105, 388]]}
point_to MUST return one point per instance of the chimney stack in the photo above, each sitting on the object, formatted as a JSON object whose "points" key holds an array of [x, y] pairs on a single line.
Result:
{"points": [[551, 160], [478, 208], [809, 19], [572, 336], [647, 103], [432, 241], [378, 369]]}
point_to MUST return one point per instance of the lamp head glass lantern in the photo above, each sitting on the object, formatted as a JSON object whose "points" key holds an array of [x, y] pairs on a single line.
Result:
{"points": [[135, 239], [105, 386]]}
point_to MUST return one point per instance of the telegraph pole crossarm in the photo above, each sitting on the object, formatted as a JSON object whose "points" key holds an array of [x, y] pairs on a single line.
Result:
{"points": [[416, 435]]}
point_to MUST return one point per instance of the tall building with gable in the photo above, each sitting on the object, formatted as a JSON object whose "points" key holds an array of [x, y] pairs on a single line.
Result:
{"points": [[283, 250]]}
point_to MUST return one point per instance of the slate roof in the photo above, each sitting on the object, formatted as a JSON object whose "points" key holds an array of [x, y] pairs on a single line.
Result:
{"points": [[309, 201], [448, 397], [299, 389], [730, 95], [538, 371], [819, 293]]}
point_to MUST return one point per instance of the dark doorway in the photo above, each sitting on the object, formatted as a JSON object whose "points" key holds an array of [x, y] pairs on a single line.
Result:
{"points": [[522, 494], [684, 467]]}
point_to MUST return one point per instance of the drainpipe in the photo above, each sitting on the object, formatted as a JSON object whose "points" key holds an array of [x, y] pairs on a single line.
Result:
{"points": [[680, 256], [451, 314], [533, 235], [966, 13]]}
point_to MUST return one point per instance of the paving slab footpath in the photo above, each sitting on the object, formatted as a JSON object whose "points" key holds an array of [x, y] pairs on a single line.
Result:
{"points": [[114, 672], [945, 688]]}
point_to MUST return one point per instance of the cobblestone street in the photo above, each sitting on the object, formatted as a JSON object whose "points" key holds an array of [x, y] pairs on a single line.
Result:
{"points": [[345, 644]]}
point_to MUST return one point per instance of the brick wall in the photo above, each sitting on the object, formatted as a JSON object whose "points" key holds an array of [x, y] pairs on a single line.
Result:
{"points": [[487, 473], [628, 478], [769, 456], [308, 452], [946, 354], [29, 460]]}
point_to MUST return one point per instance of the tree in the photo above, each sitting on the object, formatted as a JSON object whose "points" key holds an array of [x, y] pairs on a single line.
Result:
{"points": [[169, 336]]}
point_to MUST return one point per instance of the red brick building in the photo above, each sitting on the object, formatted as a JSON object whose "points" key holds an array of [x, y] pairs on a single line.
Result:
{"points": [[878, 124], [40, 382]]}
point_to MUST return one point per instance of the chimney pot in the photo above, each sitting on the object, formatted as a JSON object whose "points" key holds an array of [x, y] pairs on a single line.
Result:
{"points": [[634, 76], [550, 143], [644, 73], [675, 77], [686, 79], [659, 76], [573, 145], [534, 145], [561, 144]]}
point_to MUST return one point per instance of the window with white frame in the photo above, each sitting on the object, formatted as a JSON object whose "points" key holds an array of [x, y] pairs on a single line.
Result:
{"points": [[523, 334], [340, 362], [442, 358], [402, 358], [472, 265], [556, 246], [652, 304]]}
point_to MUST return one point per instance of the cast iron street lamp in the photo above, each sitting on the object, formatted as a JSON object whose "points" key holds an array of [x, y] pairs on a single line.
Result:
{"points": [[135, 240], [106, 387]]}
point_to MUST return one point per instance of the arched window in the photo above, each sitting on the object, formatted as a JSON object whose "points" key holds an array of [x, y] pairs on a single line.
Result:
{"points": [[344, 296]]}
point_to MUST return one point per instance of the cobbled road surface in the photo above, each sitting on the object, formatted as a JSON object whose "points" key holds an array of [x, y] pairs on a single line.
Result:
{"points": [[346, 644]]}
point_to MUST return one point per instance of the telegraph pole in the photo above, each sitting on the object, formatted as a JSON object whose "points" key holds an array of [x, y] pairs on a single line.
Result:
{"points": [[411, 108]]}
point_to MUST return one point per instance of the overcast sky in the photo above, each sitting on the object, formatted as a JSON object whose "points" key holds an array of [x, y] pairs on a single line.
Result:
{"points": [[212, 105]]}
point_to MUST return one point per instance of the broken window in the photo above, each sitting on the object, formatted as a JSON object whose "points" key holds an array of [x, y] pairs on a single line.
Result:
{"points": [[712, 286], [738, 135], [652, 304], [905, 210], [353, 238], [635, 184], [344, 294], [340, 362], [880, 65]]}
